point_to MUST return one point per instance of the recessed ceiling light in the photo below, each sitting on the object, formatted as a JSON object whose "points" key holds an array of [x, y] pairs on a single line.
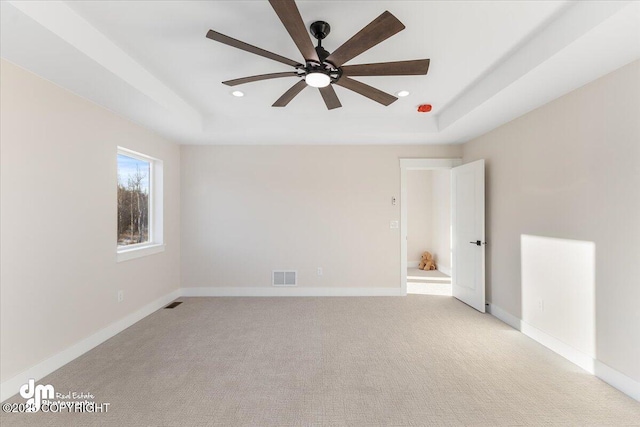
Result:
{"points": [[402, 93], [237, 93]]}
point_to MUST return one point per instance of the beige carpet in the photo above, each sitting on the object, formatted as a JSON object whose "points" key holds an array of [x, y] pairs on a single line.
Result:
{"points": [[414, 361]]}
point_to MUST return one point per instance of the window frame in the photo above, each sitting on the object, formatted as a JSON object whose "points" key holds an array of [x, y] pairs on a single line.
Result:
{"points": [[155, 243]]}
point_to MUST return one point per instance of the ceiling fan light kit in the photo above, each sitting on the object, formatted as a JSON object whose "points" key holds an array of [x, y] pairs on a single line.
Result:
{"points": [[317, 79], [322, 69]]}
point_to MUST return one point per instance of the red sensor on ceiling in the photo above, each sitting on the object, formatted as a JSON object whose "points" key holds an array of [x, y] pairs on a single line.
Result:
{"points": [[424, 108]]}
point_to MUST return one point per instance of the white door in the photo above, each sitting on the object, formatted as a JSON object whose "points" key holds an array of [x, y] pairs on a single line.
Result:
{"points": [[467, 182]]}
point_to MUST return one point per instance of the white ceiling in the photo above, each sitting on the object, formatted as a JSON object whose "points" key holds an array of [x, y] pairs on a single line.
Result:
{"points": [[150, 61]]}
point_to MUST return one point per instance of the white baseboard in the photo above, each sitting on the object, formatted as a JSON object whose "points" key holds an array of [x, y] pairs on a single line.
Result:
{"points": [[290, 291], [618, 380], [609, 375], [583, 360], [12, 386], [413, 264], [506, 317]]}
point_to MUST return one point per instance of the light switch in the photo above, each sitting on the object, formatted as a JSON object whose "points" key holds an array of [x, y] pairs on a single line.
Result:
{"points": [[393, 224]]}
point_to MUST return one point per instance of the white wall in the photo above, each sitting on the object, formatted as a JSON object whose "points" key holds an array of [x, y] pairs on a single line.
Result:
{"points": [[571, 170], [419, 214], [247, 210], [558, 289], [58, 221], [429, 216], [441, 222]]}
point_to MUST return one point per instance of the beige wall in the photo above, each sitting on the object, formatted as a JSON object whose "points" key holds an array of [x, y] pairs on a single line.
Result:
{"points": [[429, 216], [58, 195], [571, 170], [249, 210]]}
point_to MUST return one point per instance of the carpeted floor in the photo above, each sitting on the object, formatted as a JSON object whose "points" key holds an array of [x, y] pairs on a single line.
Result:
{"points": [[431, 282], [414, 361], [432, 275]]}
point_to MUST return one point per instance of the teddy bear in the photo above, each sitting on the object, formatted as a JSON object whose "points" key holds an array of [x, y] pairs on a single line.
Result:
{"points": [[427, 262]]}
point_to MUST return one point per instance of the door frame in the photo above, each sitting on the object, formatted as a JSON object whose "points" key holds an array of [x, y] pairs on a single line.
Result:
{"points": [[415, 165]]}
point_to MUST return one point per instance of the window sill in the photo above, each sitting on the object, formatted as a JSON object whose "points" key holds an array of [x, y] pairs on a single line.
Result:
{"points": [[140, 251]]}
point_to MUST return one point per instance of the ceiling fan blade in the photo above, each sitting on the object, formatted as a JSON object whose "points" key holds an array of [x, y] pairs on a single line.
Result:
{"points": [[366, 90], [289, 14], [400, 68], [330, 98], [213, 35], [290, 94], [380, 29], [257, 78]]}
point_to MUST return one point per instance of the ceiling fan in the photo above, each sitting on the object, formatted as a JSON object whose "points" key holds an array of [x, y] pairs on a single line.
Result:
{"points": [[323, 69]]}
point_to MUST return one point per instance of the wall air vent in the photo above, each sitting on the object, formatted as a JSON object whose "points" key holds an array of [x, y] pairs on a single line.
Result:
{"points": [[174, 304], [284, 278]]}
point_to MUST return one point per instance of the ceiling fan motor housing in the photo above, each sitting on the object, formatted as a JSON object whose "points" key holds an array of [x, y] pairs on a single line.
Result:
{"points": [[325, 67], [322, 53]]}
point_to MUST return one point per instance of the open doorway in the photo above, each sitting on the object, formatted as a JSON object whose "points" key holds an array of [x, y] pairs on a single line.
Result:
{"points": [[429, 232], [425, 209]]}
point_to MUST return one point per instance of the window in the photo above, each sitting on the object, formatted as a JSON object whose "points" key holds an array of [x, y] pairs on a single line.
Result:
{"points": [[139, 230], [133, 200]]}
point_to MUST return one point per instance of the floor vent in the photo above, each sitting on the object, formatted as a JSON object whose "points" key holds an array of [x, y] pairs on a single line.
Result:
{"points": [[284, 278], [174, 304]]}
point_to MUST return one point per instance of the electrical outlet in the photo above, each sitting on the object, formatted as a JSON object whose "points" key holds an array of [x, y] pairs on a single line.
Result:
{"points": [[319, 271], [394, 224], [540, 304], [120, 296]]}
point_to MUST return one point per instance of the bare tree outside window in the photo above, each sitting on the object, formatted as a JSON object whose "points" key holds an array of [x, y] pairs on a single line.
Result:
{"points": [[133, 200]]}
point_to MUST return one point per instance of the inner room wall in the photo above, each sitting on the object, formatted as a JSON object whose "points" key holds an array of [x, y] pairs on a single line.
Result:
{"points": [[429, 217], [441, 219], [247, 210], [419, 215]]}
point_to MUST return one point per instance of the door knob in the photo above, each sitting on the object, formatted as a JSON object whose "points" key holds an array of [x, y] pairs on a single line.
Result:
{"points": [[477, 242]]}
